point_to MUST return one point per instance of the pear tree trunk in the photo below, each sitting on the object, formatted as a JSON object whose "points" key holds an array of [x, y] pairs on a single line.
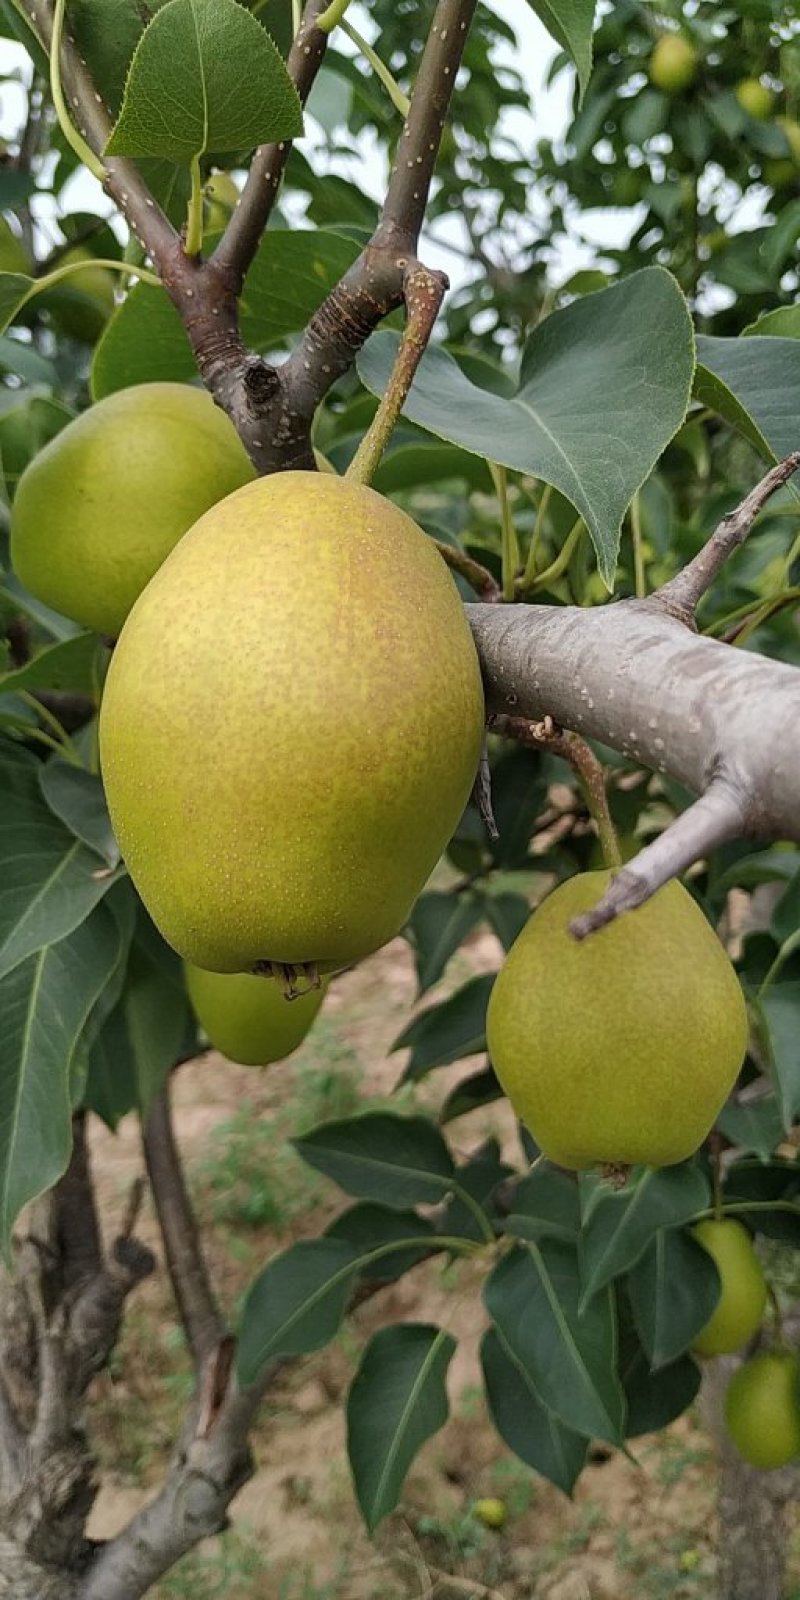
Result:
{"points": [[753, 1508]]}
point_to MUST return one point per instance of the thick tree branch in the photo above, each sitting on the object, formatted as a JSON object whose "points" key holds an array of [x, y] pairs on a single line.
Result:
{"points": [[722, 721], [682, 595], [199, 1313], [241, 238], [375, 283]]}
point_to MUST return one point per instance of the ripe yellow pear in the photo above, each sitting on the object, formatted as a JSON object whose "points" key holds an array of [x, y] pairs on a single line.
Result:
{"points": [[755, 98], [291, 726], [621, 1048], [249, 1018], [762, 1409], [673, 63], [740, 1308], [98, 510]]}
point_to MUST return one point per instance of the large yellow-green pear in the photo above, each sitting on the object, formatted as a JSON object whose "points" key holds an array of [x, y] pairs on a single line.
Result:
{"points": [[762, 1409], [249, 1018], [291, 726], [673, 63], [104, 503], [740, 1308], [620, 1048]]}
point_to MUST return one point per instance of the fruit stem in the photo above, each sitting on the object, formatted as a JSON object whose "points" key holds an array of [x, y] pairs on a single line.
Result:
{"points": [[509, 542], [477, 1211], [124, 267], [423, 292], [49, 717], [588, 771], [715, 1146], [529, 575], [194, 212], [558, 567], [332, 15], [779, 1336], [82, 150], [380, 69], [640, 578]]}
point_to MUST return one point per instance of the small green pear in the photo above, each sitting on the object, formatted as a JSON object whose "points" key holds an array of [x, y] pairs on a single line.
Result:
{"points": [[673, 63], [620, 1048], [493, 1513], [291, 726], [13, 255], [222, 195], [791, 133], [740, 1308], [249, 1019], [755, 98], [99, 508], [762, 1409]]}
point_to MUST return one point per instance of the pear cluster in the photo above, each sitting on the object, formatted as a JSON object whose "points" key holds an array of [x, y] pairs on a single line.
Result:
{"points": [[293, 714]]}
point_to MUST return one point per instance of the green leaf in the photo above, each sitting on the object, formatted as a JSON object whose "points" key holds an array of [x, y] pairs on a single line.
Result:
{"points": [[753, 1125], [397, 1401], [622, 1224], [107, 32], [780, 1008], [571, 24], [523, 1423], [296, 1304], [78, 799], [654, 1399], [71, 666], [156, 1013], [546, 1204], [49, 881], [506, 915], [369, 1227], [782, 323], [145, 342], [204, 76], [623, 357], [398, 1161], [45, 1003], [786, 915], [478, 1178], [519, 789], [15, 289], [471, 1094], [673, 1290], [22, 600], [532, 1297], [438, 924], [755, 385], [767, 1185], [449, 1031]]}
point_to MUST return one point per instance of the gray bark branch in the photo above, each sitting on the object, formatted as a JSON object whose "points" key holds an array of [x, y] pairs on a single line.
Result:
{"points": [[199, 1313], [721, 721]]}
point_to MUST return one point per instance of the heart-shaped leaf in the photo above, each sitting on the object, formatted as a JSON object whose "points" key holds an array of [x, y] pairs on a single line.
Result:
{"points": [[204, 76], [604, 387]]}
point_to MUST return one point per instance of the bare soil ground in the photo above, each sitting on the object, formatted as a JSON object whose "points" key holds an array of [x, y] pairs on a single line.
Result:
{"points": [[638, 1529]]}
